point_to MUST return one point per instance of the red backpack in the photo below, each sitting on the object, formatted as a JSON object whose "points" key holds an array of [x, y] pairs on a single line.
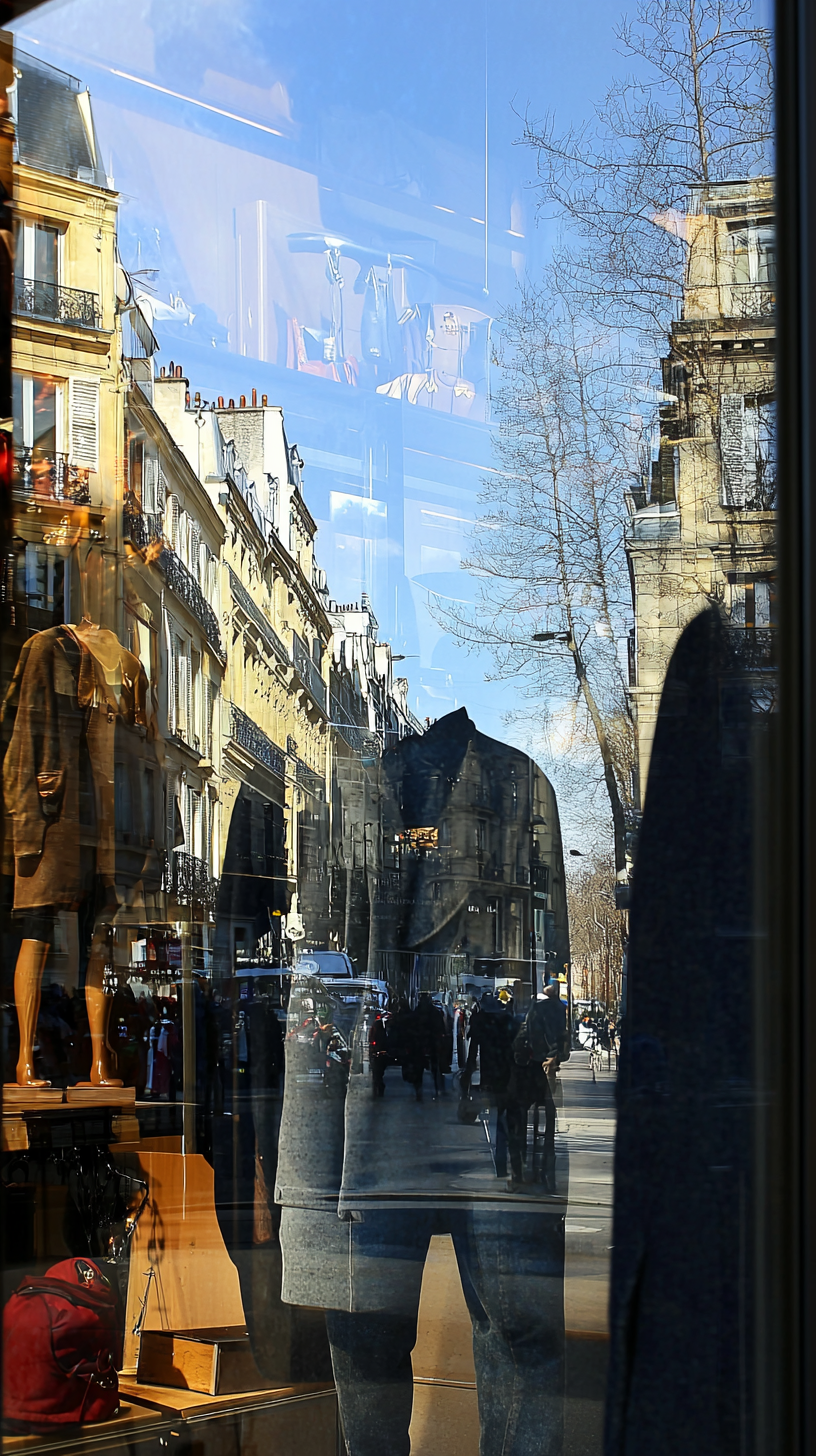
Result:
{"points": [[62, 1342]]}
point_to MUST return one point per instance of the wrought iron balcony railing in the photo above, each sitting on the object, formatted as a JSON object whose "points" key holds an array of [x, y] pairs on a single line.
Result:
{"points": [[307, 671], [60, 305], [264, 626], [181, 581], [189, 881], [142, 528], [309, 780], [753, 649], [48, 475], [354, 734], [249, 736]]}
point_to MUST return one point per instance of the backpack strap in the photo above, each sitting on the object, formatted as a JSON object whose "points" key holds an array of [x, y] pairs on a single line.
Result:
{"points": [[83, 1296]]}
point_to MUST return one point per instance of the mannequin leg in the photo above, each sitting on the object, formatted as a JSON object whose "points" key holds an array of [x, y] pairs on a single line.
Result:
{"points": [[98, 1005], [28, 976]]}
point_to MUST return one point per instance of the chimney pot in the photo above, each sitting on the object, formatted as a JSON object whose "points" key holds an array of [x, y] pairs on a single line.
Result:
{"points": [[232, 404], [254, 398], [197, 397], [172, 370], [178, 371], [187, 399], [220, 401], [163, 374], [243, 401], [263, 400]]}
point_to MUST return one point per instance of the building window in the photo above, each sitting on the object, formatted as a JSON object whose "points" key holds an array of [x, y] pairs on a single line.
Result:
{"points": [[36, 403], [753, 603], [748, 451], [36, 251], [753, 252]]}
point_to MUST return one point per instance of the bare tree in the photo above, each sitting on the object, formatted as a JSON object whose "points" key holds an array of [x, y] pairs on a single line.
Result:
{"points": [[578, 350], [552, 598], [597, 933], [696, 108]]}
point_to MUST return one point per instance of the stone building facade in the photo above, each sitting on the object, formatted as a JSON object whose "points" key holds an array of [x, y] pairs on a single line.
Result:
{"points": [[702, 526]]}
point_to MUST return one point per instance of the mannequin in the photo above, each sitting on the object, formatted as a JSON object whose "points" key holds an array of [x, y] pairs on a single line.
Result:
{"points": [[64, 672], [106, 650]]}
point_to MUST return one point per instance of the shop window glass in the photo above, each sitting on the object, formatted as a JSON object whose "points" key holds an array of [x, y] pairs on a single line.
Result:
{"points": [[392, 1036]]}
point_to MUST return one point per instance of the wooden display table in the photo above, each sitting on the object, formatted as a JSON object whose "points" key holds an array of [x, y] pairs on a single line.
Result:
{"points": [[135, 1429], [295, 1420], [38, 1118]]}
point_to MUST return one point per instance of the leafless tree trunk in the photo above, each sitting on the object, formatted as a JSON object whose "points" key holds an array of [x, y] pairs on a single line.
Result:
{"points": [[554, 589]]}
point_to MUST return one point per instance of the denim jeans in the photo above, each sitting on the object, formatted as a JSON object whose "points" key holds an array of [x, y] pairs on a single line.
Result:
{"points": [[512, 1270]]}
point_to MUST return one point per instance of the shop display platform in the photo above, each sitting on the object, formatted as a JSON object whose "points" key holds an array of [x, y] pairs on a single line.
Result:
{"points": [[136, 1429], [295, 1420]]}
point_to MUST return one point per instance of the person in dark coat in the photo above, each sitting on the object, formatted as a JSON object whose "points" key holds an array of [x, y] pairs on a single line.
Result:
{"points": [[542, 1046], [681, 1374]]}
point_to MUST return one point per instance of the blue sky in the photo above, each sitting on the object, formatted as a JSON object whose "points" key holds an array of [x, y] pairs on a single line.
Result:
{"points": [[244, 138]]}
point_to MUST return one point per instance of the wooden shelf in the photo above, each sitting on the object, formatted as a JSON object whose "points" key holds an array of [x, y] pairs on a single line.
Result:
{"points": [[190, 1404], [135, 1425]]}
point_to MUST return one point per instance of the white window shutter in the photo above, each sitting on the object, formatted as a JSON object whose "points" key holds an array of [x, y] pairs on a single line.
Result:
{"points": [[181, 688], [172, 525], [206, 726], [149, 485], [188, 819], [161, 490], [170, 813], [171, 678], [732, 449], [84, 422], [190, 723]]}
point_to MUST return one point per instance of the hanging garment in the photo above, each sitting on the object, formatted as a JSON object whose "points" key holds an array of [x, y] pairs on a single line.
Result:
{"points": [[79, 743], [410, 387], [374, 321], [346, 371]]}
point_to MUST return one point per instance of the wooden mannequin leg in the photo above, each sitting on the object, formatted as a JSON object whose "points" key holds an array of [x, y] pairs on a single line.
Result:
{"points": [[28, 976], [98, 1005]]}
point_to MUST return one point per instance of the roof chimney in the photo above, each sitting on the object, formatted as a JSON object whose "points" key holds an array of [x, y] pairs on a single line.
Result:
{"points": [[179, 374], [243, 401], [254, 398], [163, 374], [232, 404], [197, 397], [263, 400], [220, 401], [172, 370], [187, 399]]}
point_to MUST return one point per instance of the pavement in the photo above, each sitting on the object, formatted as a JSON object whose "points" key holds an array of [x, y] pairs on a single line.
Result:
{"points": [[445, 1420]]}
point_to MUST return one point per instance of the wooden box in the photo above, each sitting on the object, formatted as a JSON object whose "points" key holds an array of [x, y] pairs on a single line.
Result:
{"points": [[217, 1361]]}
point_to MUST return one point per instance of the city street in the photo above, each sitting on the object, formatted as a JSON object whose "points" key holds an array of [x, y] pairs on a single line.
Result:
{"points": [[445, 1413]]}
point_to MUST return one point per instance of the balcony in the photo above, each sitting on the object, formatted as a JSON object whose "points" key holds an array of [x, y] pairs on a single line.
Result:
{"points": [[181, 581], [142, 528], [753, 649], [354, 734], [309, 780], [268, 634], [47, 475], [189, 881], [74, 306], [253, 739], [307, 671]]}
